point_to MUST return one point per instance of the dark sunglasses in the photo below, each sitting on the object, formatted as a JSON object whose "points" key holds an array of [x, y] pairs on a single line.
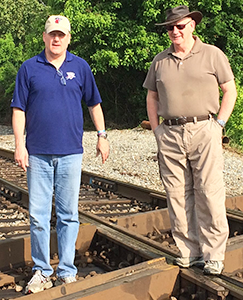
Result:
{"points": [[178, 26]]}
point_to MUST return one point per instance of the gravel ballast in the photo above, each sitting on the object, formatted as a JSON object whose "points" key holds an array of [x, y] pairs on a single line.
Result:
{"points": [[133, 159]]}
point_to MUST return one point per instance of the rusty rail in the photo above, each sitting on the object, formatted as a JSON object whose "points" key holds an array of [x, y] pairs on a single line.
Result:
{"points": [[142, 237]]}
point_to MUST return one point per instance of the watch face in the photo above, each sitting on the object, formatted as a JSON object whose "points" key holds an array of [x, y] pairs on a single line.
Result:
{"points": [[221, 122], [103, 135]]}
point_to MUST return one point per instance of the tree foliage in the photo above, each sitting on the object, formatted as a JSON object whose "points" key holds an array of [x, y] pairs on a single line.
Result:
{"points": [[112, 37], [119, 40], [21, 17], [20, 22], [234, 129], [222, 27], [109, 34]]}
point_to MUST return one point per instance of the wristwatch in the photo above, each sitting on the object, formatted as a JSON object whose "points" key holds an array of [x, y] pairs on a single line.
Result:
{"points": [[102, 134], [222, 123]]}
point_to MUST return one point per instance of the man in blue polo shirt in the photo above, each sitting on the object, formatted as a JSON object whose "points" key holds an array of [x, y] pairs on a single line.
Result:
{"points": [[47, 104]]}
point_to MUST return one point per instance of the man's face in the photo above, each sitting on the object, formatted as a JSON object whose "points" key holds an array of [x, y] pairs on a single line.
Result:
{"points": [[179, 36], [56, 42]]}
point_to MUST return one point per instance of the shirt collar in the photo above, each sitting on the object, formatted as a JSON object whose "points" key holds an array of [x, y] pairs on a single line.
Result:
{"points": [[196, 47], [42, 58]]}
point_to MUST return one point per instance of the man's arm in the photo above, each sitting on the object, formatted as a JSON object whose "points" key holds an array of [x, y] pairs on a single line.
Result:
{"points": [[97, 117], [152, 109], [228, 100], [18, 122]]}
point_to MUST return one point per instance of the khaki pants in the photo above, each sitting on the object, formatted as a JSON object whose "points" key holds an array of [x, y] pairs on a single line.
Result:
{"points": [[191, 168]]}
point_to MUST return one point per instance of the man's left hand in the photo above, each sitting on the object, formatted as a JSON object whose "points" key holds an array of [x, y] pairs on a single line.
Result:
{"points": [[103, 148]]}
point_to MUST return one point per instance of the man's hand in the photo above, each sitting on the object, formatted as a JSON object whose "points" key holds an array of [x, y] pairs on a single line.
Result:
{"points": [[21, 157], [102, 148]]}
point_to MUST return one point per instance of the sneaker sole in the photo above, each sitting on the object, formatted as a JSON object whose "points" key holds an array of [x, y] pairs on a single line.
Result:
{"points": [[58, 282], [195, 263], [47, 286], [208, 272]]}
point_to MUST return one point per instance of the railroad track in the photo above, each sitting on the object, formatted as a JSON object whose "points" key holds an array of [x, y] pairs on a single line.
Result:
{"points": [[124, 237]]}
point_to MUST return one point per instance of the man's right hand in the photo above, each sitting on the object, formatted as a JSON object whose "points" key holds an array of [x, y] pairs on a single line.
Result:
{"points": [[21, 157]]}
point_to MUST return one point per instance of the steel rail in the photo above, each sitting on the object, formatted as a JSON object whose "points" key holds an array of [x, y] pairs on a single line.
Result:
{"points": [[117, 233], [128, 190], [125, 189]]}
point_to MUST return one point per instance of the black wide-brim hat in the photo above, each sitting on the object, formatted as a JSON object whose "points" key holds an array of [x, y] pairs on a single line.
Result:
{"points": [[180, 12]]}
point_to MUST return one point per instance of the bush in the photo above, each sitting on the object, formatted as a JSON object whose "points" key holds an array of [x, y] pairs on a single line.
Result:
{"points": [[234, 126]]}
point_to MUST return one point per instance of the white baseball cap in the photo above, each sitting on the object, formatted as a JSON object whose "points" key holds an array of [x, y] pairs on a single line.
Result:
{"points": [[57, 23]]}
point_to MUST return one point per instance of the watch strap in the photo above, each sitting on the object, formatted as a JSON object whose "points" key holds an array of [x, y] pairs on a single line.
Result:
{"points": [[222, 123]]}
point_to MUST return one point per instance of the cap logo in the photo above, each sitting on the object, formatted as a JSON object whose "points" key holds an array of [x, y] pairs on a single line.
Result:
{"points": [[57, 20], [59, 23]]}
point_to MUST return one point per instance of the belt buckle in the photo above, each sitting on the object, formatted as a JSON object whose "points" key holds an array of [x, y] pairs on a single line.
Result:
{"points": [[181, 121]]}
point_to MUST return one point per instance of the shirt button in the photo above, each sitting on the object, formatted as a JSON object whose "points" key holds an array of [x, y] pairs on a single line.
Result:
{"points": [[181, 63]]}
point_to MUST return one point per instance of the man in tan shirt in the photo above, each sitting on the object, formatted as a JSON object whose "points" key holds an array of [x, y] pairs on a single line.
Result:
{"points": [[182, 85]]}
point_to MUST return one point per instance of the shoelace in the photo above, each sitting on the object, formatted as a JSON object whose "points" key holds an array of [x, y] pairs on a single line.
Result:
{"points": [[38, 277]]}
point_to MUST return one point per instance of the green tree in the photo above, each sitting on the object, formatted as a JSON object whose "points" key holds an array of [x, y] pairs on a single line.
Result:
{"points": [[222, 27], [112, 37], [234, 128], [10, 59], [119, 40], [21, 26], [21, 17]]}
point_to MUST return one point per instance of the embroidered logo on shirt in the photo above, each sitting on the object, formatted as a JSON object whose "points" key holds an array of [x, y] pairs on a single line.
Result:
{"points": [[70, 75]]}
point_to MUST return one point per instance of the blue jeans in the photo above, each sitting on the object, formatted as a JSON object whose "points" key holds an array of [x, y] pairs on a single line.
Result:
{"points": [[62, 175]]}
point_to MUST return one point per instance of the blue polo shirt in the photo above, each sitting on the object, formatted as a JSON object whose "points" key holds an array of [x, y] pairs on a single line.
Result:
{"points": [[52, 103]]}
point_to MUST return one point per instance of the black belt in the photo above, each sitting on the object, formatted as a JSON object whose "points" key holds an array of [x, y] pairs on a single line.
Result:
{"points": [[184, 120]]}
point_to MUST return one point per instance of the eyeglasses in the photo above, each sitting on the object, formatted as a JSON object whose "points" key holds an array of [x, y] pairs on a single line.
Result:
{"points": [[63, 80], [178, 26]]}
